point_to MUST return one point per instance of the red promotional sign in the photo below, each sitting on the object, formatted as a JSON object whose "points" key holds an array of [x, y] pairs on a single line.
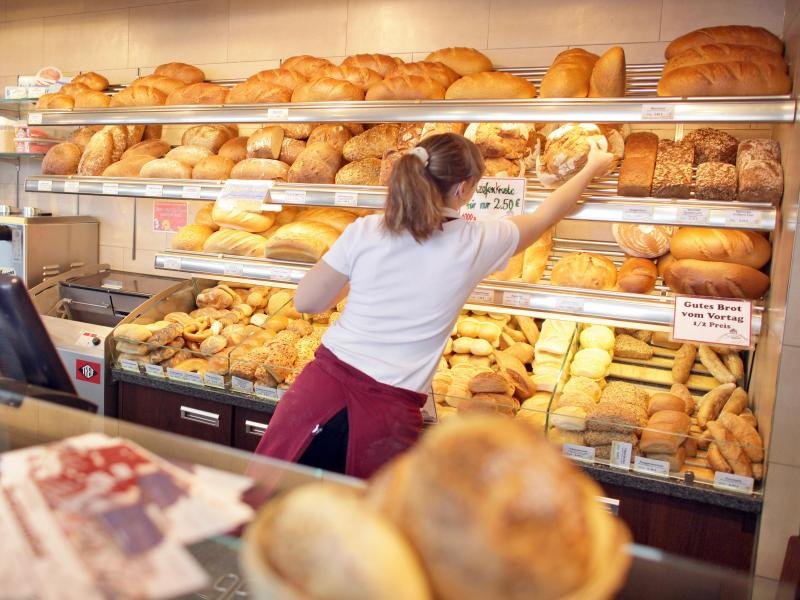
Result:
{"points": [[87, 371], [169, 216]]}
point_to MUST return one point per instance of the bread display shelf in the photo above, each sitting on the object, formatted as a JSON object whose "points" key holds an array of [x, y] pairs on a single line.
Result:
{"points": [[655, 310], [600, 204]]}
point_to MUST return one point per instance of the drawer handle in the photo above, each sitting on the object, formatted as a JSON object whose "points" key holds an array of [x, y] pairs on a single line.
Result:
{"points": [[255, 428], [103, 306], [199, 416]]}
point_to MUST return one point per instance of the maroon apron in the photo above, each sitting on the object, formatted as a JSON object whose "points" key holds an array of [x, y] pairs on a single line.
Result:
{"points": [[383, 420]]}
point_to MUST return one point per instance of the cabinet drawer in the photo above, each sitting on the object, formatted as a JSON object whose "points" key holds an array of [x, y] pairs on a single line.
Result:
{"points": [[176, 413], [248, 427]]}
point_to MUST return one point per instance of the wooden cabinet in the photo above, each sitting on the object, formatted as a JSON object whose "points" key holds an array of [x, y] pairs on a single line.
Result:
{"points": [[248, 427]]}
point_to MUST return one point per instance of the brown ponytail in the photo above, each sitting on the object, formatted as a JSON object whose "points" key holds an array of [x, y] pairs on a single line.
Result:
{"points": [[417, 192]]}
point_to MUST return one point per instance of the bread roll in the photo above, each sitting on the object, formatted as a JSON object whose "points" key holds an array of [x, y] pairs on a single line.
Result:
{"points": [[665, 431], [305, 65], [164, 84], [128, 167], [637, 275], [432, 70], [584, 270], [91, 99], [191, 237], [73, 89], [290, 150], [298, 131], [210, 137], [189, 155], [373, 143], [366, 171], [198, 93], [745, 434], [265, 142], [213, 167], [94, 81], [725, 79], [318, 163], [235, 218], [490, 85], [381, 63], [81, 136], [644, 241], [304, 241], [716, 279], [98, 154], [234, 149], [326, 89], [62, 159], [138, 95], [722, 245], [406, 87], [55, 101], [360, 77], [568, 76], [464, 61], [188, 74], [236, 242], [154, 148], [260, 168], [665, 401], [332, 134], [730, 449], [608, 75], [725, 34], [254, 91], [166, 168]]}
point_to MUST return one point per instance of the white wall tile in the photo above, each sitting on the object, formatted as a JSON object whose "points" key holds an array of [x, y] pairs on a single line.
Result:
{"points": [[21, 47], [115, 216], [146, 238], [317, 27], [784, 445], [647, 52], [90, 41], [112, 255], [143, 263], [31, 9], [683, 16], [93, 5], [523, 57], [517, 23], [237, 70], [416, 25], [780, 518]]}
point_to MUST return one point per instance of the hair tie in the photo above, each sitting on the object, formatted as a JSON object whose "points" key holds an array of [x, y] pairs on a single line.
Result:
{"points": [[421, 154]]}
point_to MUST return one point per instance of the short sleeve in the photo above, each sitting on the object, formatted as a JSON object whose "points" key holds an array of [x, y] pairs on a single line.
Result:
{"points": [[499, 240], [340, 255]]}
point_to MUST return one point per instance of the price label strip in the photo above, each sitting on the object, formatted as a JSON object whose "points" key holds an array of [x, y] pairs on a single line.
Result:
{"points": [[496, 198], [658, 112], [153, 190], [277, 113], [192, 191], [733, 483], [72, 187], [172, 263], [129, 365], [569, 305], [743, 217], [692, 216], [581, 453], [518, 299], [266, 392], [242, 385], [484, 296], [233, 269], [110, 189], [44, 185], [34, 118], [621, 453], [175, 374], [713, 321], [214, 380], [193, 378], [651, 466], [294, 196], [154, 370], [635, 214], [244, 194]]}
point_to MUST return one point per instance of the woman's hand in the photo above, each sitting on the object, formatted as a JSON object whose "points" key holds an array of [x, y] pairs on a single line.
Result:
{"points": [[598, 162]]}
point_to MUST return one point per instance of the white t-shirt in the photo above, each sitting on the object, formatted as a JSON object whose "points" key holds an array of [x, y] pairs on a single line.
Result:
{"points": [[405, 296]]}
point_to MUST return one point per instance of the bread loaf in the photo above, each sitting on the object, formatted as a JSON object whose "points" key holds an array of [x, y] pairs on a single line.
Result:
{"points": [[725, 34], [138, 95], [490, 85], [712, 53], [713, 145], [189, 155], [304, 241], [535, 257], [154, 148], [366, 171], [166, 168], [164, 84], [334, 217], [188, 74], [236, 242], [432, 70], [234, 149], [55, 101], [98, 154], [73, 89], [665, 432], [325, 89], [94, 81], [265, 142], [360, 77], [191, 237], [306, 65], [584, 270], [643, 241], [198, 93], [62, 159], [129, 167], [373, 143], [298, 131], [235, 218], [119, 140], [725, 79], [81, 136], [568, 76], [381, 63], [759, 180], [730, 449], [260, 168], [254, 91], [213, 167], [722, 245], [637, 275], [283, 77], [336, 136], [318, 163], [716, 279], [91, 99], [290, 150], [464, 61], [406, 87], [566, 152], [210, 137], [715, 181], [665, 401], [608, 75], [672, 177]]}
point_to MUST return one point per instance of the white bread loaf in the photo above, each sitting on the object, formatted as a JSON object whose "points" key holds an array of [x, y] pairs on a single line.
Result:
{"points": [[326, 89], [208, 136], [138, 95], [490, 85], [306, 65], [166, 168], [584, 270], [254, 91], [361, 77], [721, 245], [128, 167], [406, 87], [608, 75], [568, 76], [91, 99], [260, 168], [62, 159], [235, 149], [189, 155], [381, 63], [191, 237], [55, 101], [236, 242], [464, 61], [213, 167], [154, 148], [162, 83], [332, 134], [711, 53], [725, 34], [198, 93], [283, 77], [188, 74], [725, 79], [433, 70], [715, 279], [235, 218], [304, 241], [94, 81]]}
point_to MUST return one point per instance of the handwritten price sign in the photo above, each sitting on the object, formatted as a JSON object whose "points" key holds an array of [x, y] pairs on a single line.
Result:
{"points": [[495, 198]]}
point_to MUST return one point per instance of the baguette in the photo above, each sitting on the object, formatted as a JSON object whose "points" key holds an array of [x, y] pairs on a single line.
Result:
{"points": [[730, 450], [725, 34], [725, 79], [712, 403], [714, 364]]}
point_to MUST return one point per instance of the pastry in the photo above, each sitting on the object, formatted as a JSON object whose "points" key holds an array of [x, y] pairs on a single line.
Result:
{"points": [[737, 403], [745, 434], [730, 450], [712, 403]]}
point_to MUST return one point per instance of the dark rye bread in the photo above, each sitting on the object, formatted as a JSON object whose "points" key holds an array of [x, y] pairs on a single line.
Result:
{"points": [[759, 171], [673, 173]]}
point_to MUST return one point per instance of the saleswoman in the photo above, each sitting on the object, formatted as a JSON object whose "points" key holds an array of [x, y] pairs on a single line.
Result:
{"points": [[406, 273]]}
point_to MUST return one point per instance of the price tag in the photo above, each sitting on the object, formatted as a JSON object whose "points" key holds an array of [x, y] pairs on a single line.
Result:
{"points": [[570, 305], [129, 365], [515, 299], [172, 263], [635, 214], [266, 392], [34, 118], [154, 370], [153, 190], [345, 199], [110, 189], [72, 187], [294, 196], [692, 216], [651, 466], [280, 274], [610, 505], [733, 483], [175, 374], [242, 385], [713, 321], [743, 217], [243, 194], [621, 453], [658, 112], [192, 191], [496, 198], [214, 380], [193, 378], [233, 269], [44, 185], [485, 296], [581, 453], [277, 113]]}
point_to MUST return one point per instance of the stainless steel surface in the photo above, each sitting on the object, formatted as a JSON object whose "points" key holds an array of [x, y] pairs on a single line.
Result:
{"points": [[255, 428], [199, 416], [100, 306], [30, 211], [5, 209]]}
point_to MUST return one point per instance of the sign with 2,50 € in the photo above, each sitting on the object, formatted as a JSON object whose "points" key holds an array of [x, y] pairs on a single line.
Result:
{"points": [[495, 198]]}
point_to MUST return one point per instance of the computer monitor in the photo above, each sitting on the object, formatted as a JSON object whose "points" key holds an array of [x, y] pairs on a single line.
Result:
{"points": [[28, 360]]}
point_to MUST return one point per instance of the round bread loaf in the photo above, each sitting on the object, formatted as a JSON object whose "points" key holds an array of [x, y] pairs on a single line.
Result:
{"points": [[55, 101], [406, 87], [92, 99], [715, 279], [154, 148], [235, 149], [198, 93], [165, 84], [464, 61], [644, 241], [213, 167], [189, 155], [291, 149], [129, 167], [138, 95], [380, 63], [191, 237], [317, 163], [62, 159], [637, 275], [265, 142], [283, 77], [722, 245], [298, 131], [491, 85], [326, 89], [260, 168], [166, 168], [566, 152], [94, 81], [366, 171], [255, 91], [361, 77], [373, 143], [207, 136], [188, 74], [306, 65], [584, 270], [72, 89], [332, 134], [82, 135], [433, 70]]}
